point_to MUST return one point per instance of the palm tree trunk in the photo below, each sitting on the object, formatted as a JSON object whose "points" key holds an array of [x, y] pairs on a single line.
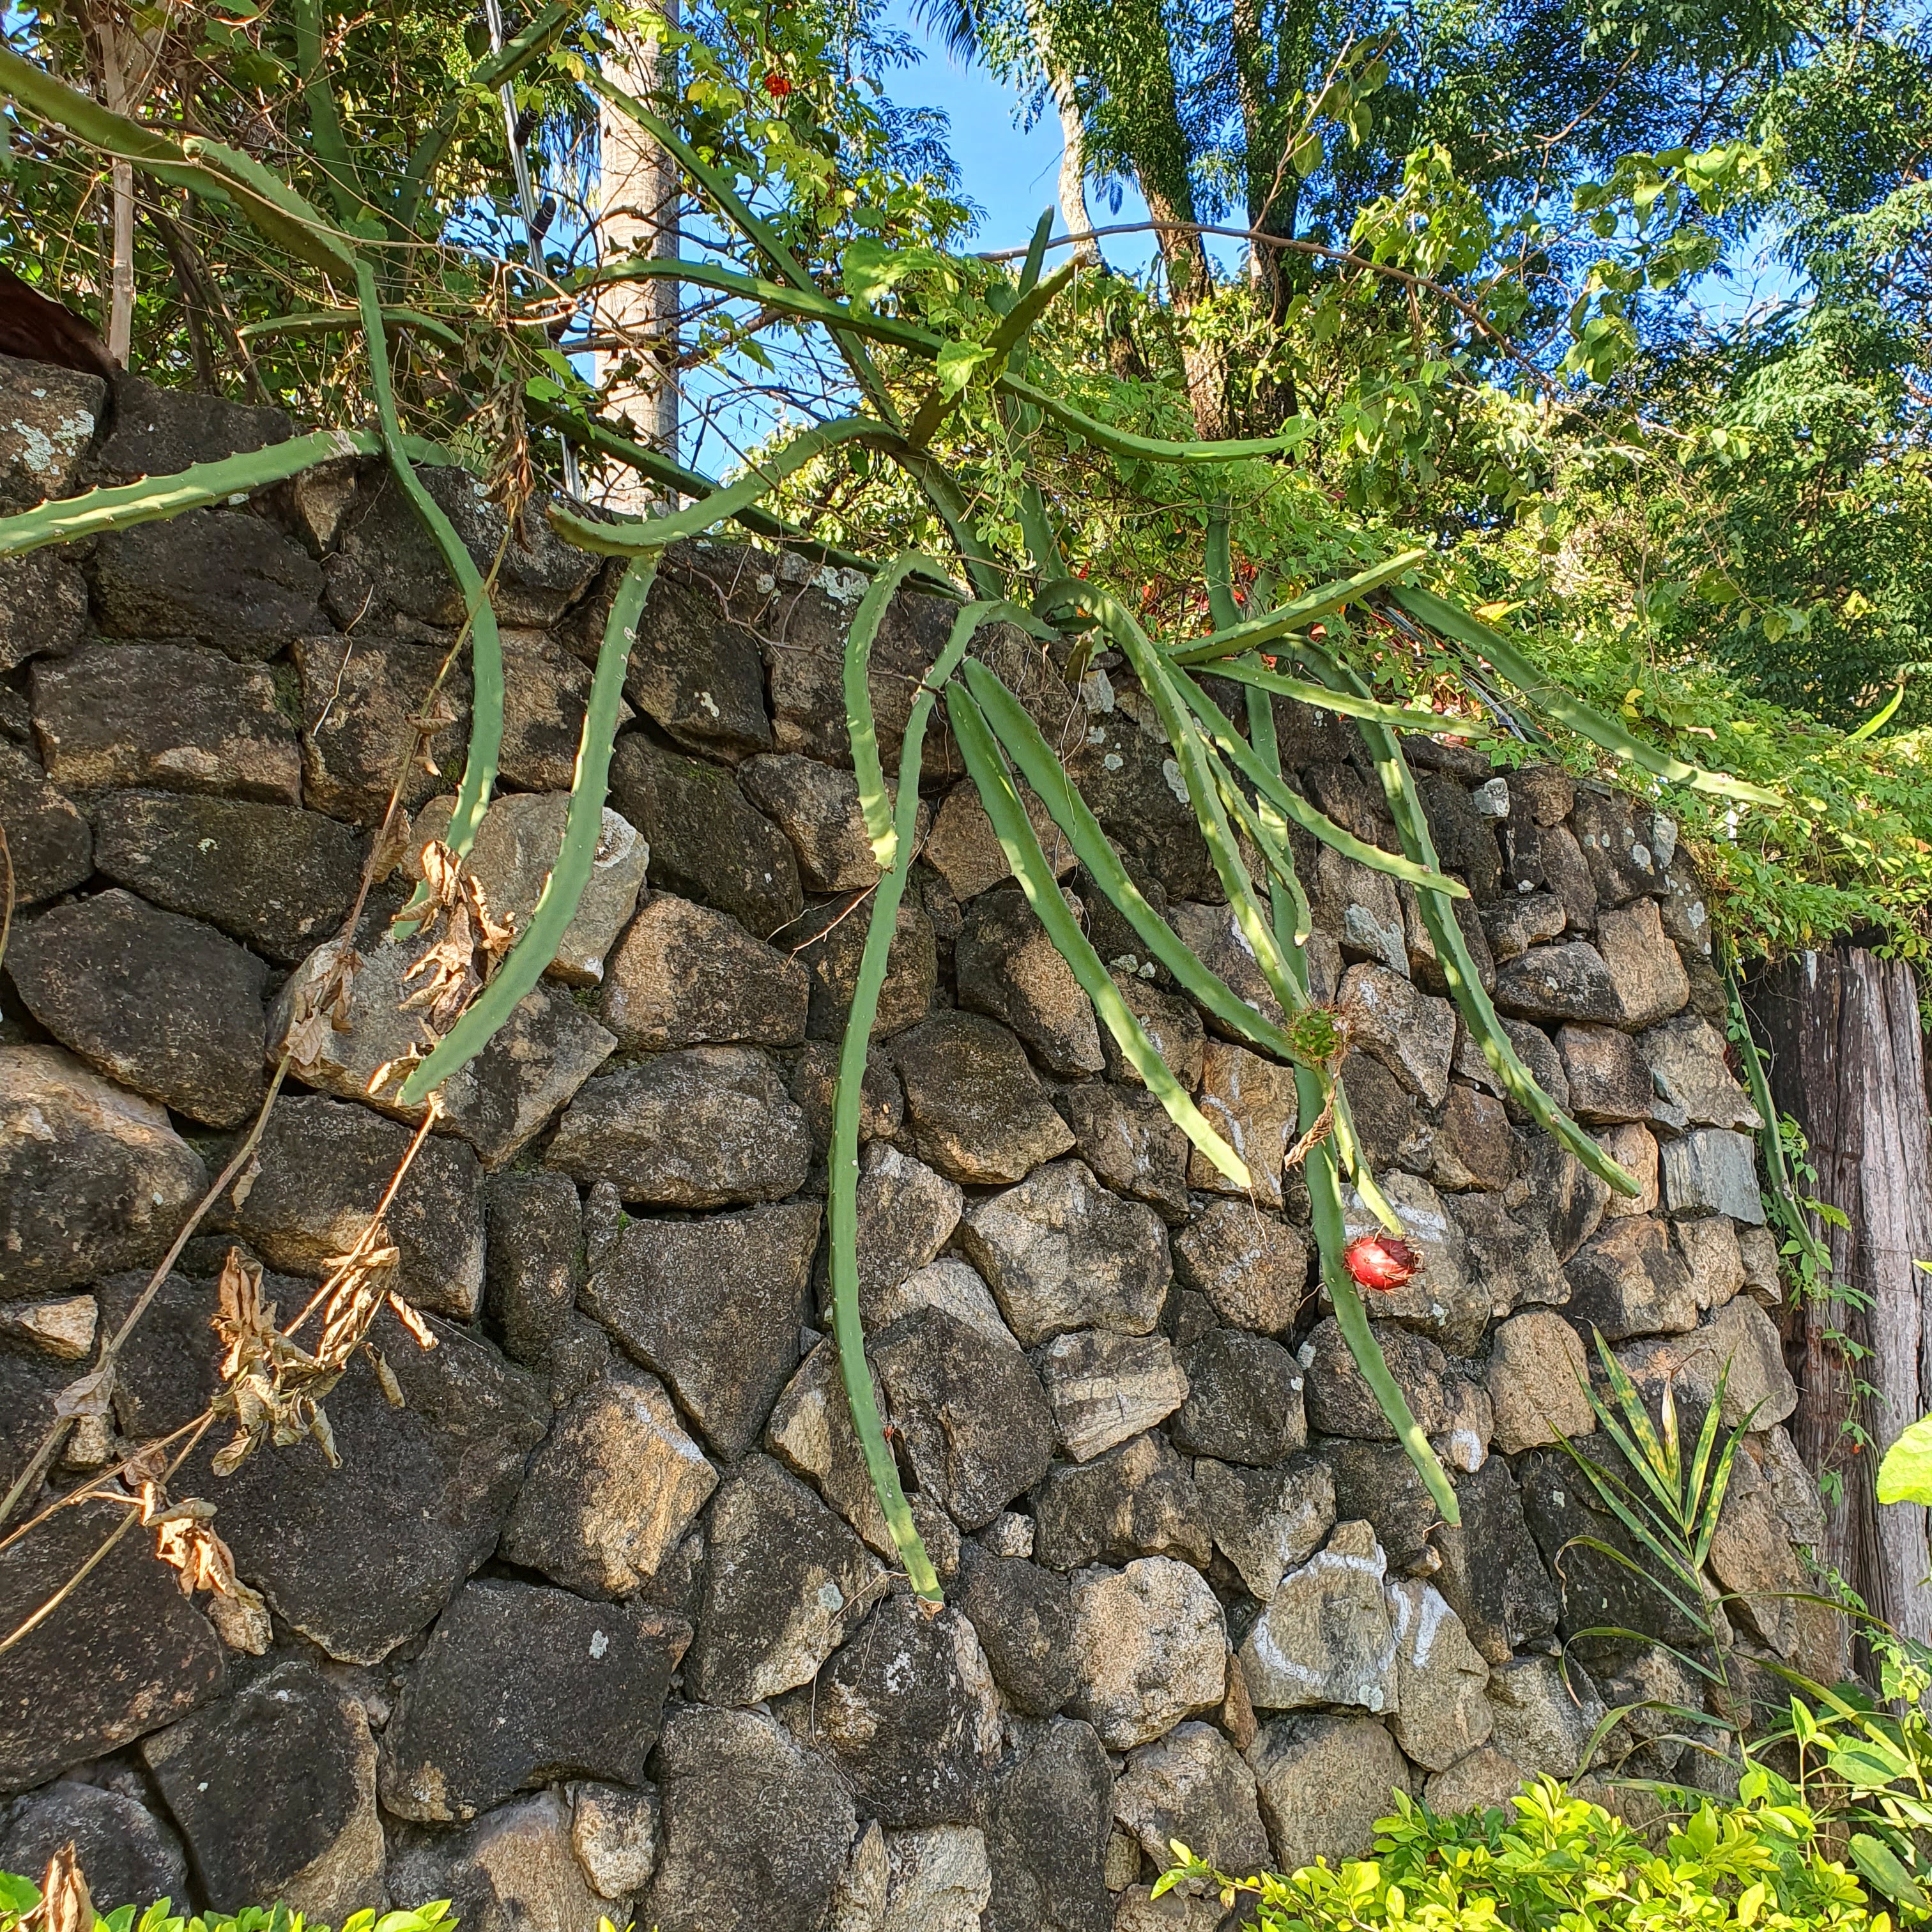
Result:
{"points": [[641, 191]]}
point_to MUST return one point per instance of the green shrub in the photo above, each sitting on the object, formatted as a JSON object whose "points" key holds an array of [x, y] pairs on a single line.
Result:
{"points": [[20, 1903], [1564, 1864]]}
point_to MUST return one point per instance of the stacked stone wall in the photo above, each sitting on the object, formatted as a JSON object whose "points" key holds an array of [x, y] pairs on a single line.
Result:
{"points": [[598, 1614]]}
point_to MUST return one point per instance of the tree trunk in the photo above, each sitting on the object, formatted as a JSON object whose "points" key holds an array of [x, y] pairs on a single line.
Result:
{"points": [[641, 192], [1074, 212], [1848, 1066]]}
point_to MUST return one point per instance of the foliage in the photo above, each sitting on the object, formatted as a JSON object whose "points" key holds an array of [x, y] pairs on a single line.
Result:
{"points": [[20, 1912], [1562, 1861], [1905, 1476]]}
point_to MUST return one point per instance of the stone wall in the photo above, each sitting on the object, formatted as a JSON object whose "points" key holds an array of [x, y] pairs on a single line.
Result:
{"points": [[597, 1616]]}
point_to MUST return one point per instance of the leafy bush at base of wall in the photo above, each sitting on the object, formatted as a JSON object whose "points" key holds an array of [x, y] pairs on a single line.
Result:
{"points": [[1567, 1865], [20, 1902]]}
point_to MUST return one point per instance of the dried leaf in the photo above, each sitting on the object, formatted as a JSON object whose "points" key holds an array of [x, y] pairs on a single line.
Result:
{"points": [[89, 1397], [392, 1390], [411, 1319], [241, 1620], [325, 1436], [65, 1904]]}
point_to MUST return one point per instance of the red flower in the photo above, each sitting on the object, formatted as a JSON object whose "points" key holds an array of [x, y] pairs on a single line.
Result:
{"points": [[1382, 1262], [777, 85]]}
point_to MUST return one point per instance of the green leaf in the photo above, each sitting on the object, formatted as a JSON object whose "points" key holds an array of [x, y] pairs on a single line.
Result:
{"points": [[957, 362], [870, 269], [1905, 1476], [1876, 1862], [18, 1895]]}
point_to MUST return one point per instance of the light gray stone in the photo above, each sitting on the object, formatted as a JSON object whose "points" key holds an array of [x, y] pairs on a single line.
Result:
{"points": [[1322, 1782], [1214, 934], [613, 1830], [1711, 1256], [1627, 1280], [1441, 1299], [1686, 1058], [1104, 1387], [1568, 982], [1129, 1140], [1151, 1648], [1250, 1102], [1545, 1710], [1266, 1522], [1138, 1500], [1194, 1786], [610, 1494], [499, 1102], [1442, 1714], [1487, 1779], [965, 852], [1060, 1251], [948, 1285], [516, 1871], [1537, 1377], [1170, 1023], [92, 1178], [1712, 1171], [1325, 1637], [63, 1330], [48, 417], [514, 849], [906, 1214], [1643, 963]]}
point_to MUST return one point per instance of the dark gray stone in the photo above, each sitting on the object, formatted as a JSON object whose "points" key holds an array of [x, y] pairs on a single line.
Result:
{"points": [[1252, 1266], [359, 1558], [91, 1178], [1569, 982], [127, 1855], [1522, 920], [816, 805], [546, 693], [277, 879], [514, 1870], [814, 1078], [219, 578], [695, 671], [1492, 1576], [1046, 1823], [1465, 840], [46, 838], [1007, 968], [387, 549], [1627, 1280], [520, 1686], [756, 1829], [119, 715], [907, 1712], [1533, 1048], [1384, 1112], [706, 1127], [786, 1583], [29, 1382], [830, 944], [1124, 1135], [1122, 774], [714, 1306], [1340, 1402], [970, 1410], [974, 1109], [359, 695], [168, 1374], [1375, 1483], [48, 416], [1243, 1400], [325, 1164], [535, 1262], [1561, 1504], [312, 1840], [906, 1213], [1123, 949], [163, 1004], [1515, 1260], [159, 431], [685, 975], [1473, 1146], [707, 842], [1024, 1617], [1170, 1023], [1618, 838], [1138, 1500], [129, 1653]]}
